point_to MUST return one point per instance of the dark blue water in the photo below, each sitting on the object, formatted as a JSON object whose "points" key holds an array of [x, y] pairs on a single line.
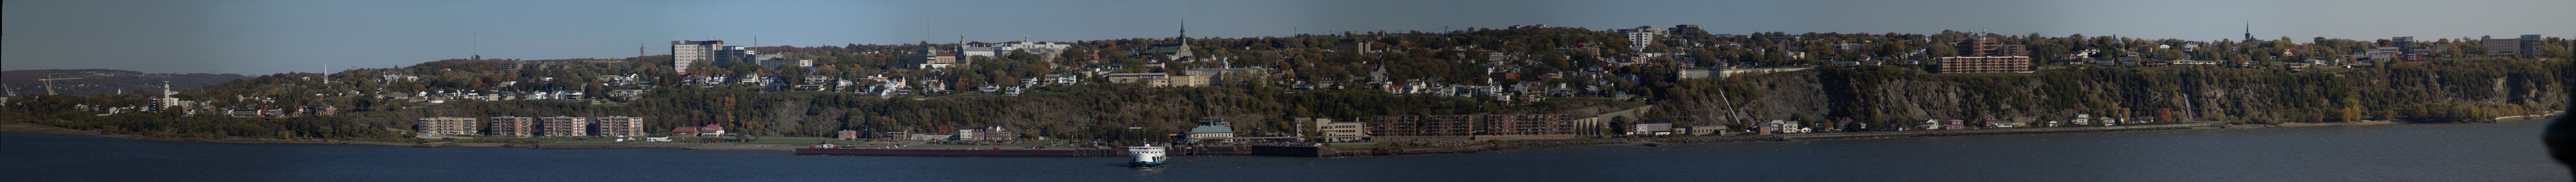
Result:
{"points": [[2507, 151]]}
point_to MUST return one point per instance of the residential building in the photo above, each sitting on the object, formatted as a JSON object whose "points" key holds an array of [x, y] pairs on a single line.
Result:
{"points": [[620, 126], [738, 54], [781, 63], [1448, 125], [2511, 47], [1150, 79], [1989, 47], [1982, 64], [684, 131], [1352, 46], [1792, 127], [513, 126], [711, 131], [686, 52], [1394, 125], [563, 126], [1641, 36], [446, 126], [1335, 130], [993, 133], [1700, 130], [1529, 124], [931, 58], [1206, 77]]}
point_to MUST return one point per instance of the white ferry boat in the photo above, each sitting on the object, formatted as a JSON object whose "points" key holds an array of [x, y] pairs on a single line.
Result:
{"points": [[1148, 156]]}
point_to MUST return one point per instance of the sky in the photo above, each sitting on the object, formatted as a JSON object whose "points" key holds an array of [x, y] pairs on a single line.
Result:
{"points": [[278, 36]]}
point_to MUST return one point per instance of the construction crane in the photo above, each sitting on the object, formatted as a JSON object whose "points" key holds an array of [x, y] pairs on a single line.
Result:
{"points": [[49, 84]]}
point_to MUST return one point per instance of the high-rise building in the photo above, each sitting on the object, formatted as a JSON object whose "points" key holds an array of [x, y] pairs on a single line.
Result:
{"points": [[686, 52], [563, 126], [1988, 46], [2405, 45], [2510, 47], [740, 54], [1639, 37], [513, 126]]}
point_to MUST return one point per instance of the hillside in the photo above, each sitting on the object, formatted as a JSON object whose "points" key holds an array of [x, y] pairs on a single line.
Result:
{"points": [[2462, 90], [1351, 77], [98, 81]]}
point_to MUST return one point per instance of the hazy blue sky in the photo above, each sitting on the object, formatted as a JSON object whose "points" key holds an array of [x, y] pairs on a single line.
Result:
{"points": [[273, 36]]}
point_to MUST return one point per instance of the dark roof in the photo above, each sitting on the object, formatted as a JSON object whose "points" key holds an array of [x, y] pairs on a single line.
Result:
{"points": [[1157, 49]]}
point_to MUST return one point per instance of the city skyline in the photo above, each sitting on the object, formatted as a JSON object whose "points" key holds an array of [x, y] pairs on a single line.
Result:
{"points": [[263, 37]]}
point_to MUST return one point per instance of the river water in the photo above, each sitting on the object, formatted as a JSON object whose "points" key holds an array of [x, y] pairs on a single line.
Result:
{"points": [[2508, 151]]}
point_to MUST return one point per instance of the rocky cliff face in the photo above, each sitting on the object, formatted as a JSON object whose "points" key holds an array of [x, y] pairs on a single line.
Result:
{"points": [[2414, 91]]}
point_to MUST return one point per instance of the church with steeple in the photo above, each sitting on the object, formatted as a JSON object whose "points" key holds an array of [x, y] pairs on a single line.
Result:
{"points": [[1180, 52]]}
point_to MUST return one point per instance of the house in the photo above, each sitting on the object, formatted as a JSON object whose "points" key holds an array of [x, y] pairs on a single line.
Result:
{"points": [[1780, 126], [657, 138], [2081, 119], [2108, 121], [1958, 124], [1792, 127], [684, 131], [1931, 124], [711, 131], [847, 134], [1991, 122]]}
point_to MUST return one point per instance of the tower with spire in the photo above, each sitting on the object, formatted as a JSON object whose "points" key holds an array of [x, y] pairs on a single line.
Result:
{"points": [[1185, 42], [2249, 31]]}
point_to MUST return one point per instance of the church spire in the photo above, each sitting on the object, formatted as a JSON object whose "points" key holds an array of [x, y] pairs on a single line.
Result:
{"points": [[2249, 31], [1184, 48], [1185, 32]]}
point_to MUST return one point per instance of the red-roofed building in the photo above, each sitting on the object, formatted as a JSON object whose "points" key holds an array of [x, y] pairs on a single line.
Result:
{"points": [[684, 131], [711, 130]]}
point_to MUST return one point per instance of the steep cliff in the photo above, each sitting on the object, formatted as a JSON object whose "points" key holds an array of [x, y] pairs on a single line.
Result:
{"points": [[2422, 92]]}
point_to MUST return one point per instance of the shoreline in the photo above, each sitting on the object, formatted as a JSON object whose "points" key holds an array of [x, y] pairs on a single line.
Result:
{"points": [[1385, 148], [34, 128]]}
